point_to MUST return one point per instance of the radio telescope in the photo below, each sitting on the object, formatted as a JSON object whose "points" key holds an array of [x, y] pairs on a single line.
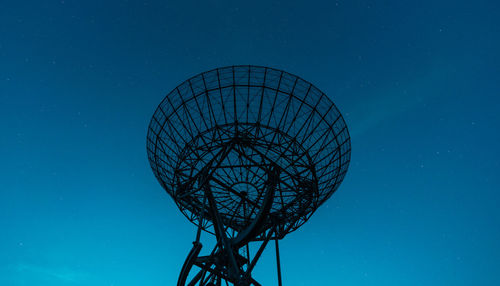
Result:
{"points": [[248, 154]]}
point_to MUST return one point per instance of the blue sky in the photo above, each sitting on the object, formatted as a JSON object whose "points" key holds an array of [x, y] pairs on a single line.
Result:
{"points": [[417, 82]]}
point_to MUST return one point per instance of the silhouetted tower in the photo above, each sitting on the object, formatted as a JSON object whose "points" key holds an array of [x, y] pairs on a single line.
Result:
{"points": [[248, 153]]}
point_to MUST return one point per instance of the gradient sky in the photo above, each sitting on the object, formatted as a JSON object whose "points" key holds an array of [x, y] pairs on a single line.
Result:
{"points": [[417, 82]]}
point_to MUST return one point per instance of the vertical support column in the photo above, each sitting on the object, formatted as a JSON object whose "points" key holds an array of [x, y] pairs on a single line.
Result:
{"points": [[278, 261]]}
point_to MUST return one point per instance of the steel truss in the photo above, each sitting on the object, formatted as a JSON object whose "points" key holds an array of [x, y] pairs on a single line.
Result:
{"points": [[248, 154]]}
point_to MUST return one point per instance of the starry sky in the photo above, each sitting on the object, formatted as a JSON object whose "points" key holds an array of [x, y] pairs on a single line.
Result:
{"points": [[417, 83]]}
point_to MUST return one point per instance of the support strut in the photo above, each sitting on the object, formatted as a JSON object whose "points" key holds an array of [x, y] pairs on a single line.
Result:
{"points": [[225, 263], [278, 261]]}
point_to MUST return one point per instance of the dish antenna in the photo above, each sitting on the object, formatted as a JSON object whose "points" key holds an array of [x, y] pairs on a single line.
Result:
{"points": [[248, 153]]}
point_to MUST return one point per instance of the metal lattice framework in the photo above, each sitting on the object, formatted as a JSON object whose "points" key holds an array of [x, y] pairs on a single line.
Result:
{"points": [[250, 148]]}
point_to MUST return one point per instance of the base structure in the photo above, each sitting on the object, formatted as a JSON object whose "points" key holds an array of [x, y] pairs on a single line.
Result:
{"points": [[224, 266], [230, 262]]}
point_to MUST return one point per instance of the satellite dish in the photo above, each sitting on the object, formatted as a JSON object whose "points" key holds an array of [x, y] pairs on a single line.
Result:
{"points": [[248, 153]]}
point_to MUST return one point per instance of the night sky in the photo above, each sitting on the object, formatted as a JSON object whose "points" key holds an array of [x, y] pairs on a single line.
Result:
{"points": [[417, 82]]}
